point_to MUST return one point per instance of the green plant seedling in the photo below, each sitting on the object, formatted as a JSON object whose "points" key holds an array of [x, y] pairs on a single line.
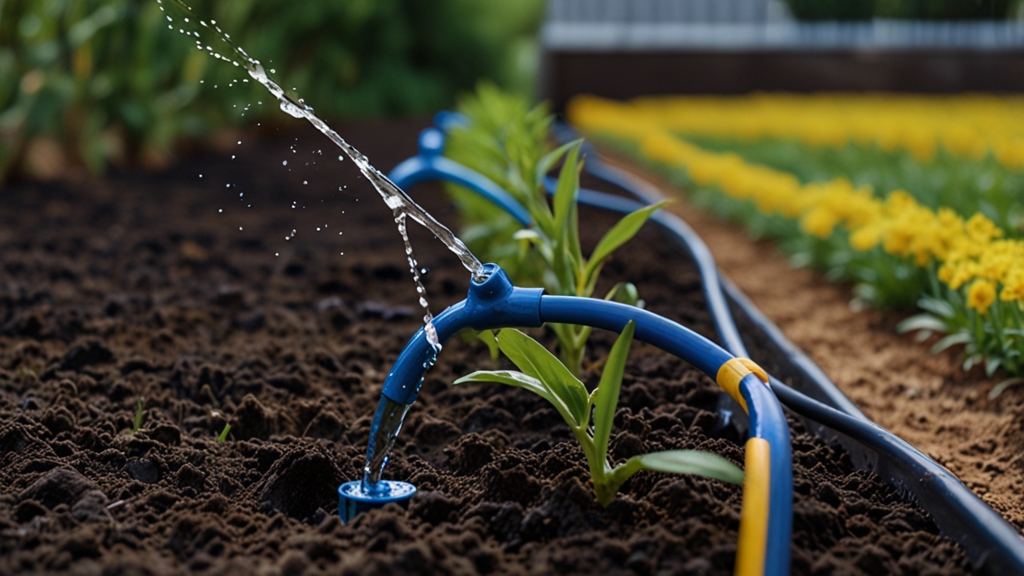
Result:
{"points": [[223, 437], [544, 375], [507, 141], [137, 421]]}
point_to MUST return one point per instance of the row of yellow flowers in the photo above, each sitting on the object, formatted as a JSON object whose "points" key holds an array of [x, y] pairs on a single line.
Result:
{"points": [[971, 252], [968, 126]]}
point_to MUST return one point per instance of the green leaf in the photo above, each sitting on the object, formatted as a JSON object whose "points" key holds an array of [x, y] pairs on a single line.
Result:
{"points": [[999, 388], [952, 340], [551, 158], [509, 377], [488, 338], [991, 365], [691, 462], [564, 201], [621, 233], [625, 293], [921, 322], [937, 307], [606, 397], [536, 361]]}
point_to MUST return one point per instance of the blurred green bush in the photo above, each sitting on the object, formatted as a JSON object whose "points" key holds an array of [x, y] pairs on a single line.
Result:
{"points": [[107, 80]]}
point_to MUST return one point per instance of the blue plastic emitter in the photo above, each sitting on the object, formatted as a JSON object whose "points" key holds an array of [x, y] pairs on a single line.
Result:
{"points": [[353, 500]]}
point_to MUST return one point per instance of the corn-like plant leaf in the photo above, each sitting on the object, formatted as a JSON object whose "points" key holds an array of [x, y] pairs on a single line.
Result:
{"points": [[921, 322], [488, 338], [621, 233], [606, 397], [551, 158], [533, 359], [564, 201], [509, 377], [691, 462]]}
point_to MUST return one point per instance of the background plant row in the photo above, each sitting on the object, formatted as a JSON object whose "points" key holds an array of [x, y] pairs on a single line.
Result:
{"points": [[106, 80], [966, 271]]}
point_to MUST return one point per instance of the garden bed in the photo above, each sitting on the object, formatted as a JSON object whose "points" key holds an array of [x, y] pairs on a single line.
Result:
{"points": [[926, 399], [137, 286]]}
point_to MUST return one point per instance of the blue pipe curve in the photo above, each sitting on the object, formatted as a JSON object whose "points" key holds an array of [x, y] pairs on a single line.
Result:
{"points": [[429, 164], [406, 377]]}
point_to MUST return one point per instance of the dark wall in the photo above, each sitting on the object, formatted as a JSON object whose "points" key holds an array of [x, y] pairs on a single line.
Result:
{"points": [[627, 74]]}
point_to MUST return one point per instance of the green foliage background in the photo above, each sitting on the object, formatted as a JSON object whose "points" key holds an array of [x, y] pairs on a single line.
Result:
{"points": [[109, 80]]}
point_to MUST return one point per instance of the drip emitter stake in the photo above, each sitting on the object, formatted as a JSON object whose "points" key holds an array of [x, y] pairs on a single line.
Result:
{"points": [[495, 303]]}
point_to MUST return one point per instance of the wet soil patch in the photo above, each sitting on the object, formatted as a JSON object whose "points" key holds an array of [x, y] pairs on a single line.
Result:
{"points": [[170, 288]]}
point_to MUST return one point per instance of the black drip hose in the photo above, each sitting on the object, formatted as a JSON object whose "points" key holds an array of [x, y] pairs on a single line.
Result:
{"points": [[992, 544]]}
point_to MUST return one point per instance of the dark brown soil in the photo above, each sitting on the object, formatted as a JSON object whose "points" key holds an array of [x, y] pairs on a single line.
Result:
{"points": [[137, 286]]}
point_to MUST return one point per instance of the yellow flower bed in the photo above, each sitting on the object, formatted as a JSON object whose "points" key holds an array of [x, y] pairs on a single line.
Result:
{"points": [[971, 252], [968, 126]]}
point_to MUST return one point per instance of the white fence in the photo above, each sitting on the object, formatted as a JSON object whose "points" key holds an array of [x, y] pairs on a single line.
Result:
{"points": [[726, 25]]}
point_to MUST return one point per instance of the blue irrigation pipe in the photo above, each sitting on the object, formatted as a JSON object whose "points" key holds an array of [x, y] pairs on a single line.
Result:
{"points": [[993, 546], [495, 303], [771, 422], [429, 164]]}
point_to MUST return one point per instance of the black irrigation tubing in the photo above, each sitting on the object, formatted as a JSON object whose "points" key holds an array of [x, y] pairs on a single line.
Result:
{"points": [[992, 544]]}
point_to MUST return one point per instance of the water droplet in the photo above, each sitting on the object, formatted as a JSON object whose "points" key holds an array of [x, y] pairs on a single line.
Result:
{"points": [[220, 211], [239, 228], [285, 163], [304, 183]]}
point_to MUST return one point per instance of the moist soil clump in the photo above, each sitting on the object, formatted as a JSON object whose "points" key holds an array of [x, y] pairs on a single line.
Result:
{"points": [[274, 300]]}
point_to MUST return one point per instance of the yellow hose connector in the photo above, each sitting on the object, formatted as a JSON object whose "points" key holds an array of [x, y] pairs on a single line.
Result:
{"points": [[753, 540], [732, 372]]}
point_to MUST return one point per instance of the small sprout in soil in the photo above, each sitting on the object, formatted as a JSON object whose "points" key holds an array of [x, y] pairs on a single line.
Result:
{"points": [[26, 375], [544, 375], [137, 421], [224, 433]]}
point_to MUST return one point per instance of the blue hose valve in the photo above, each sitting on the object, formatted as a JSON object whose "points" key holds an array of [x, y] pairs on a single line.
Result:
{"points": [[353, 500]]}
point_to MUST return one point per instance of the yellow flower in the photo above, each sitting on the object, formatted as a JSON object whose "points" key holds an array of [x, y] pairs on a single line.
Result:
{"points": [[1013, 286], [866, 237], [981, 229], [819, 222], [981, 295]]}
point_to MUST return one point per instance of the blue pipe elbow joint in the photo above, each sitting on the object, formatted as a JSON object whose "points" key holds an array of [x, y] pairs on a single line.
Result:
{"points": [[492, 303]]}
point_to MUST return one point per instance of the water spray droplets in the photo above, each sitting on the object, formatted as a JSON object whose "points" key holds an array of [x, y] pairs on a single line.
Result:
{"points": [[401, 205]]}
